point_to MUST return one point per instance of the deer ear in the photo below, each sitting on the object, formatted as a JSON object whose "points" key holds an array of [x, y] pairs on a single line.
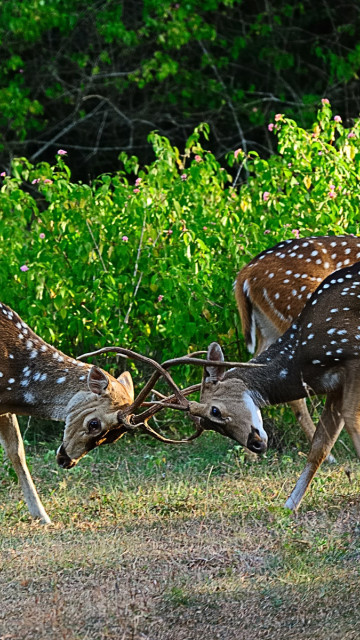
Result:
{"points": [[214, 373], [97, 381], [126, 380]]}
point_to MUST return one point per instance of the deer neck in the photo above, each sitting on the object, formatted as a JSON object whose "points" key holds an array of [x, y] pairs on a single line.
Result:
{"points": [[35, 378], [280, 379]]}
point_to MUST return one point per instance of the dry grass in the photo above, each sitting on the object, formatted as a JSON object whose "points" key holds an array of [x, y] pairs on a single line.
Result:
{"points": [[181, 545]]}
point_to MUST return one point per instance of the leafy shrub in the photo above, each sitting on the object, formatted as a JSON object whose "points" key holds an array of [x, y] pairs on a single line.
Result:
{"points": [[146, 258]]}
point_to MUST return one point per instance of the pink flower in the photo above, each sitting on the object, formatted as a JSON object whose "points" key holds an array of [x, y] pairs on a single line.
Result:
{"points": [[137, 181], [3, 174], [169, 232], [320, 153], [47, 181], [35, 181], [237, 152], [42, 236], [136, 190], [337, 119], [271, 126], [278, 117], [296, 233], [267, 231], [332, 194], [205, 228], [198, 158], [266, 196], [183, 176], [24, 267], [160, 297], [125, 239], [62, 152], [350, 135], [325, 101], [332, 187]]}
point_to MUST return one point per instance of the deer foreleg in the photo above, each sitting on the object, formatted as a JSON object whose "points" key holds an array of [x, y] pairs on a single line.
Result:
{"points": [[303, 417], [327, 431], [11, 440]]}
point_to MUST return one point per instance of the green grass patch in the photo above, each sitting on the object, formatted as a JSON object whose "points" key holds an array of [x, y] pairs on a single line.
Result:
{"points": [[179, 542]]}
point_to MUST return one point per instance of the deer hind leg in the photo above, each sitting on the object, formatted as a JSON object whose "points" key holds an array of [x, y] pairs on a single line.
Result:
{"points": [[11, 440], [330, 424], [351, 409]]}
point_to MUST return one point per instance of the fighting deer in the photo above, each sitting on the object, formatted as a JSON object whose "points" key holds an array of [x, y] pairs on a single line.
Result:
{"points": [[272, 289], [38, 380], [318, 354]]}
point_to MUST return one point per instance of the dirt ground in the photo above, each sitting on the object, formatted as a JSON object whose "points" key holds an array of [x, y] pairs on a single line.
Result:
{"points": [[145, 546], [186, 581]]}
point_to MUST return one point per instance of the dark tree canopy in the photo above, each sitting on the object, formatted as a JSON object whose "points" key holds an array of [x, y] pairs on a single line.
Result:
{"points": [[95, 78]]}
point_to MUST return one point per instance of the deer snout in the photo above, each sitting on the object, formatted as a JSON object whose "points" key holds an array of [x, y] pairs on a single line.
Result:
{"points": [[255, 442], [63, 459]]}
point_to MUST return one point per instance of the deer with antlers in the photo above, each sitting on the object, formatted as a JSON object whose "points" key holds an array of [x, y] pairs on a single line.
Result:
{"points": [[272, 289], [38, 380], [318, 354]]}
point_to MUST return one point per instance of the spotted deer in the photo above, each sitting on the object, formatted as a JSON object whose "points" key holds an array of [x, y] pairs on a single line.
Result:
{"points": [[318, 354], [36, 379], [272, 289]]}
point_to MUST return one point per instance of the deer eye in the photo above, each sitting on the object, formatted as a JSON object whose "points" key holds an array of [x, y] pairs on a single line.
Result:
{"points": [[94, 425], [215, 412]]}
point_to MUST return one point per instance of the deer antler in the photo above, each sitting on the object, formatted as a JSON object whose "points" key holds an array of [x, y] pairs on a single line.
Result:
{"points": [[132, 421], [160, 371], [128, 418]]}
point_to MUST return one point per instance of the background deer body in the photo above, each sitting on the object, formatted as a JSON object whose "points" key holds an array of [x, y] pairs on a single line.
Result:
{"points": [[273, 288], [38, 380], [319, 354]]}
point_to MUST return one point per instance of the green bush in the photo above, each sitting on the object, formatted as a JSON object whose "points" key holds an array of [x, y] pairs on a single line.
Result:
{"points": [[146, 258]]}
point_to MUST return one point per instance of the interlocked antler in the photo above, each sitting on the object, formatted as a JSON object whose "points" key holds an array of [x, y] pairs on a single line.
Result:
{"points": [[127, 416]]}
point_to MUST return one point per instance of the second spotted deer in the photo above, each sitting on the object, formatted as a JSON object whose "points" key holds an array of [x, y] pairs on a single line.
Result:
{"points": [[318, 354], [272, 289]]}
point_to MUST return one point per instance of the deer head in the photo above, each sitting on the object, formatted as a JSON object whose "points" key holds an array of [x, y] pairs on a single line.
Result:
{"points": [[92, 416], [226, 405], [104, 411]]}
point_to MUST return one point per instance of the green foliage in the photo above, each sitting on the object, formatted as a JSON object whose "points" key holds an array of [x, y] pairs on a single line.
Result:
{"points": [[100, 77], [311, 185], [146, 258]]}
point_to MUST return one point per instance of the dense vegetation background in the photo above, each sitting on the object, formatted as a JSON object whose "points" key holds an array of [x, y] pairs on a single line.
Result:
{"points": [[118, 235], [96, 78]]}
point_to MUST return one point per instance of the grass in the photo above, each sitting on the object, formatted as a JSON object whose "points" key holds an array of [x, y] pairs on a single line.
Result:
{"points": [[150, 542]]}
